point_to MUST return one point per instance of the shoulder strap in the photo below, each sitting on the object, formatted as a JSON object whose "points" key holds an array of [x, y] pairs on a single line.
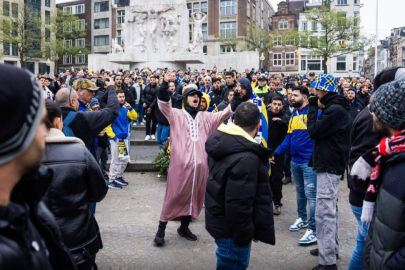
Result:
{"points": [[69, 118]]}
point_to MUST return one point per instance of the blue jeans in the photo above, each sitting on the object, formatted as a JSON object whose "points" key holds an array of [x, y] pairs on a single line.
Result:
{"points": [[162, 135], [231, 256], [305, 185], [139, 111], [356, 262]]}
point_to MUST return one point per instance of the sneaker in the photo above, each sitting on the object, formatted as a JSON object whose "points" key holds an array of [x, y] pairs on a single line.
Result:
{"points": [[142, 123], [153, 137], [315, 252], [147, 138], [159, 238], [298, 225], [308, 238], [121, 181], [325, 267], [134, 124], [186, 233], [276, 210], [114, 185], [286, 180]]}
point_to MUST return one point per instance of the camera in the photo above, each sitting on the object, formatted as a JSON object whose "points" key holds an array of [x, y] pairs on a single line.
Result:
{"points": [[101, 83]]}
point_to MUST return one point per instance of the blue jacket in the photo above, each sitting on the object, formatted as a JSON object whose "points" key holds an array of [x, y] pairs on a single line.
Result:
{"points": [[297, 139], [119, 128]]}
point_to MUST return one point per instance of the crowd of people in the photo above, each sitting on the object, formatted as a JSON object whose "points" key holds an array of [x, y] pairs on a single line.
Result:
{"points": [[236, 137]]}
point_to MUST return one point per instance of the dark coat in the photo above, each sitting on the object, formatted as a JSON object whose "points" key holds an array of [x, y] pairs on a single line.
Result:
{"points": [[161, 119], [128, 97], [331, 134], [385, 246], [216, 97], [355, 109], [77, 181], [364, 98], [238, 201], [148, 96], [362, 139], [87, 125], [27, 220], [277, 129]]}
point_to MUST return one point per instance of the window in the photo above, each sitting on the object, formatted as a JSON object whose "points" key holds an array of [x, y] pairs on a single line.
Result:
{"points": [[119, 37], [205, 49], [314, 26], [254, 12], [6, 49], [204, 7], [314, 65], [14, 29], [67, 27], [190, 9], [101, 23], [30, 66], [120, 16], [356, 18], [102, 40], [80, 42], [196, 7], [354, 63], [248, 8], [80, 59], [228, 7], [289, 59], [81, 24], [47, 17], [14, 50], [290, 41], [48, 3], [341, 2], [67, 43], [341, 63], [204, 31], [6, 10], [303, 64], [277, 59], [190, 32], [43, 68], [47, 35], [101, 6], [67, 10], [228, 30], [277, 41], [304, 26], [356, 2], [227, 49], [79, 9], [67, 59], [14, 10], [121, 3], [323, 27], [282, 25]]}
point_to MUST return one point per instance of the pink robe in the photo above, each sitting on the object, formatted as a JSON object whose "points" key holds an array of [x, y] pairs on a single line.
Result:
{"points": [[188, 170]]}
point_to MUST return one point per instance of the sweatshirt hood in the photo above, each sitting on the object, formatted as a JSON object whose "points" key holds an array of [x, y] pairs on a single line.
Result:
{"points": [[232, 139], [246, 83], [207, 99], [335, 98]]}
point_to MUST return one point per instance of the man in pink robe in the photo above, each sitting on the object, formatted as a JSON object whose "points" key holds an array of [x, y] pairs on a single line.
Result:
{"points": [[188, 170]]}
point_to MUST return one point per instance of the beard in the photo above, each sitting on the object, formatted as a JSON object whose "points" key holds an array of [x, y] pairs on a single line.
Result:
{"points": [[379, 127], [298, 104]]}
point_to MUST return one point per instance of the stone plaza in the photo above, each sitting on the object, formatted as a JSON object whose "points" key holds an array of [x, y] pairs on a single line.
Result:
{"points": [[128, 221]]}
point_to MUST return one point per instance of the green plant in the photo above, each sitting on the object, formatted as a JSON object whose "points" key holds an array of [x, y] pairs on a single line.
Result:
{"points": [[162, 162]]}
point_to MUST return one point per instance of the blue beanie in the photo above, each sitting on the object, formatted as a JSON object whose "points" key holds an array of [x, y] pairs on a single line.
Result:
{"points": [[93, 102]]}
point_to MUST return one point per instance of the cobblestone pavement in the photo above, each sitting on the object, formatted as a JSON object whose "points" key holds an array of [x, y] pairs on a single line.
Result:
{"points": [[128, 220]]}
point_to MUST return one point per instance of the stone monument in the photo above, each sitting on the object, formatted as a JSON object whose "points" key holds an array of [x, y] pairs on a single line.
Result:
{"points": [[155, 35]]}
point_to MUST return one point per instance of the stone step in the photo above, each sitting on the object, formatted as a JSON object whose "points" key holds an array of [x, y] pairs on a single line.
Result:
{"points": [[139, 127], [143, 142], [138, 166]]}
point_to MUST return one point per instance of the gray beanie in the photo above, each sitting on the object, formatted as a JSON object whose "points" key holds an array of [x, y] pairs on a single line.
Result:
{"points": [[389, 104]]}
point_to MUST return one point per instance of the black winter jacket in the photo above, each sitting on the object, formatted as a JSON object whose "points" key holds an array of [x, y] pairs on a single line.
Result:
{"points": [[77, 181], [161, 119], [331, 134], [385, 246], [238, 202], [148, 96], [87, 125], [216, 97], [364, 98], [26, 223], [277, 129], [354, 111], [128, 97], [362, 139]]}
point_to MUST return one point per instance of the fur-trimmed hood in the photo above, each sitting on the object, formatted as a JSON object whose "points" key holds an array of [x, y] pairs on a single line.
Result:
{"points": [[57, 136]]}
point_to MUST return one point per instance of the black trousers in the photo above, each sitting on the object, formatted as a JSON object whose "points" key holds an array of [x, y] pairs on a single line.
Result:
{"points": [[151, 117], [276, 179], [287, 163]]}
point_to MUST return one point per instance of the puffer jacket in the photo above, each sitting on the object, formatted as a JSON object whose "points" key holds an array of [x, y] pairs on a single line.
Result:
{"points": [[29, 236], [237, 163], [149, 94], [331, 133], [385, 246], [77, 181]]}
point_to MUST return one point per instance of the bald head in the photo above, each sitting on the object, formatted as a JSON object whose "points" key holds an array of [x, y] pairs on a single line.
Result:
{"points": [[66, 97]]}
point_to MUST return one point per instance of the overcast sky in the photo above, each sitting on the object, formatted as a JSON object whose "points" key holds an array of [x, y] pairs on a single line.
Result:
{"points": [[391, 14]]}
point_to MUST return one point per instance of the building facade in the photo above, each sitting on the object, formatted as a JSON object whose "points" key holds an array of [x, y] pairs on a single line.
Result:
{"points": [[11, 10]]}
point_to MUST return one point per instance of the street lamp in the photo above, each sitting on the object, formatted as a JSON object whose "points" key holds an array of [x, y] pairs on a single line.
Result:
{"points": [[262, 58]]}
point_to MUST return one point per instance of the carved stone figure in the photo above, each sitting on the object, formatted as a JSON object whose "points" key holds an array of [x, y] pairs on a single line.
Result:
{"points": [[170, 25], [139, 20], [198, 19], [116, 48]]}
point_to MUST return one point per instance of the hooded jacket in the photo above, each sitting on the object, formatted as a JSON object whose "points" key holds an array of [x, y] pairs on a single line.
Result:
{"points": [[237, 163], [331, 134], [216, 96]]}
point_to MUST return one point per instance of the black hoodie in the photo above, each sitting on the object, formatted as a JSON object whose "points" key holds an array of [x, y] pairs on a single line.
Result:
{"points": [[331, 134], [238, 202]]}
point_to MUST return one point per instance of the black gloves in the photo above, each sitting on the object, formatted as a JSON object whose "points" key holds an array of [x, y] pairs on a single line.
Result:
{"points": [[236, 101], [275, 155], [164, 92], [313, 100]]}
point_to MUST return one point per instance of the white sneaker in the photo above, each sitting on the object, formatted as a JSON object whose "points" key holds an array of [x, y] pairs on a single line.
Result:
{"points": [[147, 138], [153, 137], [134, 124], [298, 224], [308, 238], [142, 123]]}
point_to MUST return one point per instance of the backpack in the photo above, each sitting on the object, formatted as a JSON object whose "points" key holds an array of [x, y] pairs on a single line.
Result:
{"points": [[66, 129]]}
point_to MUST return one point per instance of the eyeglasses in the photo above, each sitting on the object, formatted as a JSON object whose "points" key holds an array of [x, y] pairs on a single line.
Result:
{"points": [[70, 93]]}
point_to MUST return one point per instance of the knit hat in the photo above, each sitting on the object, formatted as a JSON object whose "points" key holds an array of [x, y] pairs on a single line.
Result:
{"points": [[93, 102], [325, 82], [389, 104], [353, 89], [21, 105], [388, 75]]}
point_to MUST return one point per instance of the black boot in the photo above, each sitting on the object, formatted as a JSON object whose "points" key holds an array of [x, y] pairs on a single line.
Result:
{"points": [[315, 252], [325, 267], [160, 235], [184, 231]]}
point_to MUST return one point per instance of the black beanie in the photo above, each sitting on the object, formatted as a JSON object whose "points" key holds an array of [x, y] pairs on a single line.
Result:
{"points": [[388, 75], [21, 105]]}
